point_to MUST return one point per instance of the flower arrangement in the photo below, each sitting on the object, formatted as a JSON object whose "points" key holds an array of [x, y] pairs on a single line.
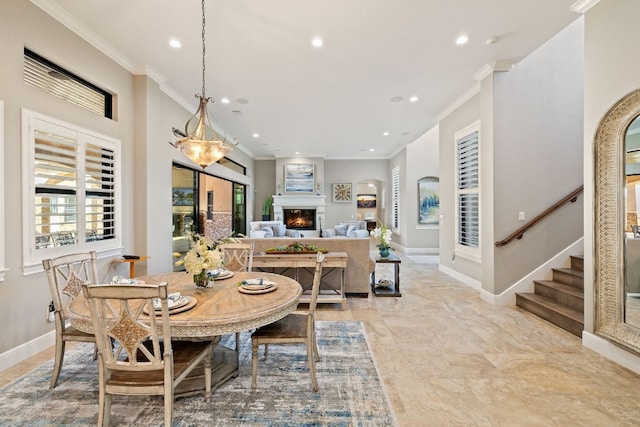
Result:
{"points": [[201, 257], [383, 234]]}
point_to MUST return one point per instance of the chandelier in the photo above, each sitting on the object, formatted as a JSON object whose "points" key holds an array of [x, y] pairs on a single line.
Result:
{"points": [[200, 142]]}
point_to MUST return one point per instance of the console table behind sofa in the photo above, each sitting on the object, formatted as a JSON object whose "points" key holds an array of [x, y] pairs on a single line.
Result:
{"points": [[360, 263]]}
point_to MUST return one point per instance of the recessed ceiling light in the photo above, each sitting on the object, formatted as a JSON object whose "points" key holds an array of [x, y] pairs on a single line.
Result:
{"points": [[385, 133], [396, 99], [372, 149], [463, 39], [297, 152], [317, 42], [413, 99], [255, 135], [225, 100], [175, 43]]}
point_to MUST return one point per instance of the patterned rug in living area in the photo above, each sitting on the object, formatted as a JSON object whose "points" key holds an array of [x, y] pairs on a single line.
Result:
{"points": [[351, 392]]}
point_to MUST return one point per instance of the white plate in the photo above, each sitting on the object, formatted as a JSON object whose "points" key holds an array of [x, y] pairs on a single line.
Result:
{"points": [[173, 300]]}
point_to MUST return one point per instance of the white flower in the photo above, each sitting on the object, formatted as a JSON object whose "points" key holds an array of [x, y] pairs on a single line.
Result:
{"points": [[201, 257], [383, 234]]}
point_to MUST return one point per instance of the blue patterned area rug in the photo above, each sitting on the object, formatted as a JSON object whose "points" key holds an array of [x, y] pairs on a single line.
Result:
{"points": [[351, 393]]}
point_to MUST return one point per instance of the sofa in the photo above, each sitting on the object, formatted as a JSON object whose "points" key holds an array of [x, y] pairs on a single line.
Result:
{"points": [[271, 229], [356, 229], [360, 263]]}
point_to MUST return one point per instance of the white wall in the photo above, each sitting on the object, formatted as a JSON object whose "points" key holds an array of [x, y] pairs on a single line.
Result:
{"points": [[610, 72]]}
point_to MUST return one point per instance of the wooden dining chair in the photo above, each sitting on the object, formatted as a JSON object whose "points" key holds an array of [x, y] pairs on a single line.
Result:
{"points": [[237, 256], [135, 353], [295, 328], [66, 275]]}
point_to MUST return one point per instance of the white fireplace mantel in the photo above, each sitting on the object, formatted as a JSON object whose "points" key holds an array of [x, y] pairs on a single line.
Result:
{"points": [[301, 202]]}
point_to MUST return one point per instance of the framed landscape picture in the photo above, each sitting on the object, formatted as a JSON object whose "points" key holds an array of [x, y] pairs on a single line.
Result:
{"points": [[366, 201], [298, 178], [428, 201], [342, 192]]}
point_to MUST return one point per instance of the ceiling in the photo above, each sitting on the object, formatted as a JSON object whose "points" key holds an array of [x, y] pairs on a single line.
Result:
{"points": [[336, 101]]}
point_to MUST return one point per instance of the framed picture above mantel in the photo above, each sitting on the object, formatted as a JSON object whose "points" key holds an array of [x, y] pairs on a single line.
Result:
{"points": [[299, 177]]}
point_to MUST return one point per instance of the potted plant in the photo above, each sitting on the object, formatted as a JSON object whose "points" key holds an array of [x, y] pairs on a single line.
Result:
{"points": [[266, 208]]}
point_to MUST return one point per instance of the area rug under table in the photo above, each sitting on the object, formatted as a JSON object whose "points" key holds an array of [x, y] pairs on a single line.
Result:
{"points": [[351, 393]]}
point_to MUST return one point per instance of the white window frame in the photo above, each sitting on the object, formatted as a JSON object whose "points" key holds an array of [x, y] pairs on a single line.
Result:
{"points": [[469, 252], [2, 224], [32, 258], [395, 199]]}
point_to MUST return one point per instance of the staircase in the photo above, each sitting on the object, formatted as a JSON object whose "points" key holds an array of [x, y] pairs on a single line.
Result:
{"points": [[560, 300]]}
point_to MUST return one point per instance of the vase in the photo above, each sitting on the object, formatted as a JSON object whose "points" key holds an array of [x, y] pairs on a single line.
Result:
{"points": [[384, 252], [201, 280]]}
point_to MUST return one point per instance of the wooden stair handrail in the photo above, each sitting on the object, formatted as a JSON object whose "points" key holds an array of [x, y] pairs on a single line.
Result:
{"points": [[572, 197]]}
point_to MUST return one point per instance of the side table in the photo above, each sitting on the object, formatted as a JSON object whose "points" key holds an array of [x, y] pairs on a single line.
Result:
{"points": [[394, 289], [132, 262]]}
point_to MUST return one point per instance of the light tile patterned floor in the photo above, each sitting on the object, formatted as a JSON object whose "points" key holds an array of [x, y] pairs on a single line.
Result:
{"points": [[450, 359]]}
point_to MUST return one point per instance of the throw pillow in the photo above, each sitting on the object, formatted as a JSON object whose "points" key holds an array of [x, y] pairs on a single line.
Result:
{"points": [[341, 230], [360, 234], [329, 233], [268, 231], [258, 234], [351, 231], [279, 230], [292, 233]]}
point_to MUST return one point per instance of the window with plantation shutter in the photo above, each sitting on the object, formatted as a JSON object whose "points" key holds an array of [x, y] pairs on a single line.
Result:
{"points": [[72, 188], [395, 198], [468, 191]]}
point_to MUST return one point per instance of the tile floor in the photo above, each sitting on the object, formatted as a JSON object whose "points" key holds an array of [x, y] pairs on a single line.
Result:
{"points": [[447, 358]]}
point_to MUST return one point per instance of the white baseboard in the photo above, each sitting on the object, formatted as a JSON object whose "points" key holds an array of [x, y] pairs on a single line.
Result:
{"points": [[475, 284], [611, 351], [26, 350], [543, 272]]}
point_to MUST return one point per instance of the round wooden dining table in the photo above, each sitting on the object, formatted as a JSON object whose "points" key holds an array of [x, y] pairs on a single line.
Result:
{"points": [[218, 310]]}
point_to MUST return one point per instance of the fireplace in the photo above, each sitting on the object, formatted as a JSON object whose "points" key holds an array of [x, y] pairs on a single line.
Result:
{"points": [[300, 219]]}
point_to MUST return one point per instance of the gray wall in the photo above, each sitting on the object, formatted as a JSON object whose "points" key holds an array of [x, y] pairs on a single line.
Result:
{"points": [[143, 120], [537, 150], [530, 157], [464, 116], [611, 72], [24, 299], [422, 161]]}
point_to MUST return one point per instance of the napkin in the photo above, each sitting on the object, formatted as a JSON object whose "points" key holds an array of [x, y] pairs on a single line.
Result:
{"points": [[248, 283], [172, 299]]}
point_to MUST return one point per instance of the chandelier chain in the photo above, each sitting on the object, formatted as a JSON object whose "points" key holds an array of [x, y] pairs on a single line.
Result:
{"points": [[203, 51]]}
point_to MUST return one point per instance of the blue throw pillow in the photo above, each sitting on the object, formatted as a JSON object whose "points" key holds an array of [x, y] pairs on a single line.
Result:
{"points": [[268, 231]]}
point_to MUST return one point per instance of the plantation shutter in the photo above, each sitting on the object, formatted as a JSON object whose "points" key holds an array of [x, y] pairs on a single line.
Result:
{"points": [[99, 192], [468, 191], [56, 190], [395, 198]]}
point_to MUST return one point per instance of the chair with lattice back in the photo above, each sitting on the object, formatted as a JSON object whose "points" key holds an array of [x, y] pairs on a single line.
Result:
{"points": [[295, 328], [136, 355], [66, 275]]}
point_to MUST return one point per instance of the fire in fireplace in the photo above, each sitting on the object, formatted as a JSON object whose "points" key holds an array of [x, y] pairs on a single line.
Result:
{"points": [[300, 219]]}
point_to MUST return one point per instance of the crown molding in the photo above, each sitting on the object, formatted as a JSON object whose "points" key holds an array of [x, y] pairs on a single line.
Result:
{"points": [[85, 33], [473, 90], [582, 6]]}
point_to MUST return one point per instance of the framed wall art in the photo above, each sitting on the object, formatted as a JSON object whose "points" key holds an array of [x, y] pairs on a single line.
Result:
{"points": [[428, 201], [366, 201], [298, 178], [342, 192]]}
